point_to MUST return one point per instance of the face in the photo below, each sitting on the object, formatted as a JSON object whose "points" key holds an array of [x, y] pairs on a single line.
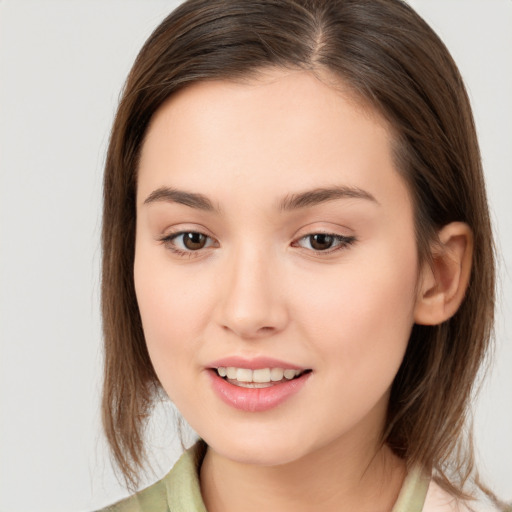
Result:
{"points": [[275, 264]]}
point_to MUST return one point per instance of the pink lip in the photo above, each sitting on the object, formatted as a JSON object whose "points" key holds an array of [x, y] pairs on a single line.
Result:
{"points": [[256, 399], [253, 364]]}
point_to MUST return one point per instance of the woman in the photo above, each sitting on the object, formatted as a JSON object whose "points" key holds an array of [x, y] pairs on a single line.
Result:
{"points": [[297, 250]]}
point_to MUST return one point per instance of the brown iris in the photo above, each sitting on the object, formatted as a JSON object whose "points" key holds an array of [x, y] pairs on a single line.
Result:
{"points": [[194, 241]]}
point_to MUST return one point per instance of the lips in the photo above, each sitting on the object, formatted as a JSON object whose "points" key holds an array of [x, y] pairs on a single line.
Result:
{"points": [[256, 385]]}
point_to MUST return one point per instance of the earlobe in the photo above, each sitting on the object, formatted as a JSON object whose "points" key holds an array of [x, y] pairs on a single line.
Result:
{"points": [[444, 281]]}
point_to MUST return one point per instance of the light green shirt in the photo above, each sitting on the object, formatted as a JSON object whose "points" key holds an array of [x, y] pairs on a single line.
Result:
{"points": [[179, 490]]}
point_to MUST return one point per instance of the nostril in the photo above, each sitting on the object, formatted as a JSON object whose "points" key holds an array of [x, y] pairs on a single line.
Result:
{"points": [[247, 332]]}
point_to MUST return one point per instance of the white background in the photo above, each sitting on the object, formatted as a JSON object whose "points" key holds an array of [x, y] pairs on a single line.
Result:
{"points": [[62, 65]]}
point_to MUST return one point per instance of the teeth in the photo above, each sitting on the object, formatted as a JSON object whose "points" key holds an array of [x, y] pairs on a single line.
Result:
{"points": [[243, 375], [276, 374], [261, 375], [289, 374]]}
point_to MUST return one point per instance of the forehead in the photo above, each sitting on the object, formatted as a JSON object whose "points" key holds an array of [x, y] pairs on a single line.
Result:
{"points": [[276, 131], [274, 90]]}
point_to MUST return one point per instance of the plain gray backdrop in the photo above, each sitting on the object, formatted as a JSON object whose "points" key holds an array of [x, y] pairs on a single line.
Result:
{"points": [[62, 66]]}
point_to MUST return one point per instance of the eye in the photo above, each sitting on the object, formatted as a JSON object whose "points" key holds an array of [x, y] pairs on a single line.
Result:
{"points": [[324, 242], [192, 241], [186, 242]]}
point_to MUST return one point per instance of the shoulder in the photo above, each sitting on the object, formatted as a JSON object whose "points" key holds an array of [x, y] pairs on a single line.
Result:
{"points": [[178, 490], [438, 500], [153, 498]]}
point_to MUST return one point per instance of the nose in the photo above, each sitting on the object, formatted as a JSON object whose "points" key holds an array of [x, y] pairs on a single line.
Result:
{"points": [[253, 301]]}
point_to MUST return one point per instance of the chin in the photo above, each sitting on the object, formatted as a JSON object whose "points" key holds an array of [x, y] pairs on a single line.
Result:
{"points": [[258, 450]]}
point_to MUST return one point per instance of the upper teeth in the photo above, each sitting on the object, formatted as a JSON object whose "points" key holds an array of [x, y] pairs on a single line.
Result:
{"points": [[260, 375]]}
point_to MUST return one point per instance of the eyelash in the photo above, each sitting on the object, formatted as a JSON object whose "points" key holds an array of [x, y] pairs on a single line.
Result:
{"points": [[341, 241], [169, 243]]}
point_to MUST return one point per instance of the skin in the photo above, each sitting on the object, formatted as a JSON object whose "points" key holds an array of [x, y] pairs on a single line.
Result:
{"points": [[258, 288]]}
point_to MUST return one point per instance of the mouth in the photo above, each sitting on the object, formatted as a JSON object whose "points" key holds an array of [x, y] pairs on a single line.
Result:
{"points": [[256, 384], [258, 378]]}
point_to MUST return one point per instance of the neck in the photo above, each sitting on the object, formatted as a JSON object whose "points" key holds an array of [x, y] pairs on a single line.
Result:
{"points": [[337, 477]]}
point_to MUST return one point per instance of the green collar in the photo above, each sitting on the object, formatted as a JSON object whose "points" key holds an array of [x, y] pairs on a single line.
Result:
{"points": [[179, 490]]}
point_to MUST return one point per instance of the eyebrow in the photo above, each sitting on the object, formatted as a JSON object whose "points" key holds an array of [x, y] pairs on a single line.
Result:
{"points": [[172, 195], [288, 203], [322, 195]]}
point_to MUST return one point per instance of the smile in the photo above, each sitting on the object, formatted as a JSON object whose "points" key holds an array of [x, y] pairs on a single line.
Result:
{"points": [[259, 378], [256, 389]]}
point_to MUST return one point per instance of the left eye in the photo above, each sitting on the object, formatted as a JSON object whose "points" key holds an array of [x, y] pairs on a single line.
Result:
{"points": [[324, 241], [189, 241]]}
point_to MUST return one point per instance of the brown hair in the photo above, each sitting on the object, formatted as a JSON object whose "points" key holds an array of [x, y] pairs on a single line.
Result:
{"points": [[394, 62]]}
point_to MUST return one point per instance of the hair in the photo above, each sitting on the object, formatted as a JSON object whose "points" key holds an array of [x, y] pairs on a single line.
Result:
{"points": [[393, 62]]}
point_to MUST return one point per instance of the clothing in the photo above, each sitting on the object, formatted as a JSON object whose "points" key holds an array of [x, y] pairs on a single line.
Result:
{"points": [[179, 491]]}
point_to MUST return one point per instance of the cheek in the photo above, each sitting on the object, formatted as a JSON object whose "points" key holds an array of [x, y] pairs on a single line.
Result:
{"points": [[363, 311], [172, 312], [170, 301], [163, 318]]}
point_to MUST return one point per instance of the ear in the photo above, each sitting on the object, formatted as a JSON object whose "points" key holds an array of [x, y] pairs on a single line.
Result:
{"points": [[444, 281]]}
